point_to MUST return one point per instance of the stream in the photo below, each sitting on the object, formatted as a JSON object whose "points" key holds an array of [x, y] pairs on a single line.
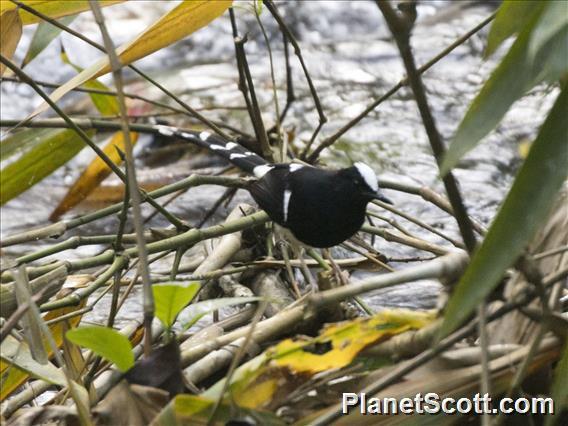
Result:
{"points": [[352, 62]]}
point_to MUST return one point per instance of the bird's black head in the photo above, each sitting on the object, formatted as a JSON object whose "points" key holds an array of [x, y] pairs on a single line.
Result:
{"points": [[364, 180]]}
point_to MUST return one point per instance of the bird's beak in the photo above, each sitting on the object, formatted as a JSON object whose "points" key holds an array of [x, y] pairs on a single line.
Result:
{"points": [[381, 197]]}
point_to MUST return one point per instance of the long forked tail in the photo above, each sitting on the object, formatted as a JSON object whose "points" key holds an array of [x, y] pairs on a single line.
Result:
{"points": [[238, 155]]}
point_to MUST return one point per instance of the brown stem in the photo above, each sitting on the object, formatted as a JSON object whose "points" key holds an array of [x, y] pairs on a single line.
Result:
{"points": [[400, 27]]}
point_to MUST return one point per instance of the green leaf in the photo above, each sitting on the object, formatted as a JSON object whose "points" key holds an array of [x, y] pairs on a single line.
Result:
{"points": [[548, 64], [559, 390], [39, 162], [18, 355], [207, 306], [44, 34], [511, 18], [106, 342], [170, 299], [105, 104], [525, 209], [506, 84], [23, 139], [552, 21], [518, 72]]}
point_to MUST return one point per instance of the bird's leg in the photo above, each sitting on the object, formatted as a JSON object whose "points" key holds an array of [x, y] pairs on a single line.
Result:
{"points": [[298, 250], [299, 253], [336, 269], [284, 249]]}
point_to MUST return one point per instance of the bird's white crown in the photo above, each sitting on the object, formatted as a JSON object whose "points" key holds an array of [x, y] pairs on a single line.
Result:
{"points": [[368, 175]]}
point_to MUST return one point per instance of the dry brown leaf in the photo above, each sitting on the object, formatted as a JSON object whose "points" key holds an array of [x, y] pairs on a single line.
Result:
{"points": [[93, 175], [10, 33]]}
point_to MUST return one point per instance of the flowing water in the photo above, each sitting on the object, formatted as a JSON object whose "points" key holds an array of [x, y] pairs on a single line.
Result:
{"points": [[352, 61]]}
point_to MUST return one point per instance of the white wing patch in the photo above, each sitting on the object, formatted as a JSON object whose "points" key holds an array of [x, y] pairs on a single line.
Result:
{"points": [[233, 156], [232, 145], [260, 171], [204, 136], [165, 130], [286, 203], [294, 167], [368, 175]]}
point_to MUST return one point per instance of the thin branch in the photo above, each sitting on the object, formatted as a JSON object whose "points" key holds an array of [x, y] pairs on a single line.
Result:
{"points": [[416, 222], [80, 36], [400, 27], [100, 153], [290, 97], [298, 52], [58, 229], [143, 269], [334, 137], [274, 86], [237, 359], [256, 116]]}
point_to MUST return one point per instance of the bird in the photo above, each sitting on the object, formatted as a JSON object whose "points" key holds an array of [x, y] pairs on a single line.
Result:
{"points": [[321, 208]]}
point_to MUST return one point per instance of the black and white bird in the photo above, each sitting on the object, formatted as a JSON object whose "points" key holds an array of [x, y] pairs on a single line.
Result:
{"points": [[321, 208]]}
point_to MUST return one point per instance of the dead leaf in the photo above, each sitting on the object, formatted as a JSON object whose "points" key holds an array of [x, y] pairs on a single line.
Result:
{"points": [[130, 405], [93, 175], [267, 380], [10, 33]]}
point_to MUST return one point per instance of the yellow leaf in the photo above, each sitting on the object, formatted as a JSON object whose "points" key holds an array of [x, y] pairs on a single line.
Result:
{"points": [[291, 363], [187, 409], [340, 343], [10, 33], [93, 175], [183, 20], [51, 8], [262, 395], [186, 18]]}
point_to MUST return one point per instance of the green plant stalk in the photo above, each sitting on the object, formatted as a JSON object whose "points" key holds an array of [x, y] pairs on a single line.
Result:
{"points": [[182, 240], [100, 153], [73, 243], [80, 36], [400, 29], [59, 228], [75, 298], [132, 182]]}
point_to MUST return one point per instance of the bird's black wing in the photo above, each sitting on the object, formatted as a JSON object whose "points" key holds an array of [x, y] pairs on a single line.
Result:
{"points": [[268, 192]]}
